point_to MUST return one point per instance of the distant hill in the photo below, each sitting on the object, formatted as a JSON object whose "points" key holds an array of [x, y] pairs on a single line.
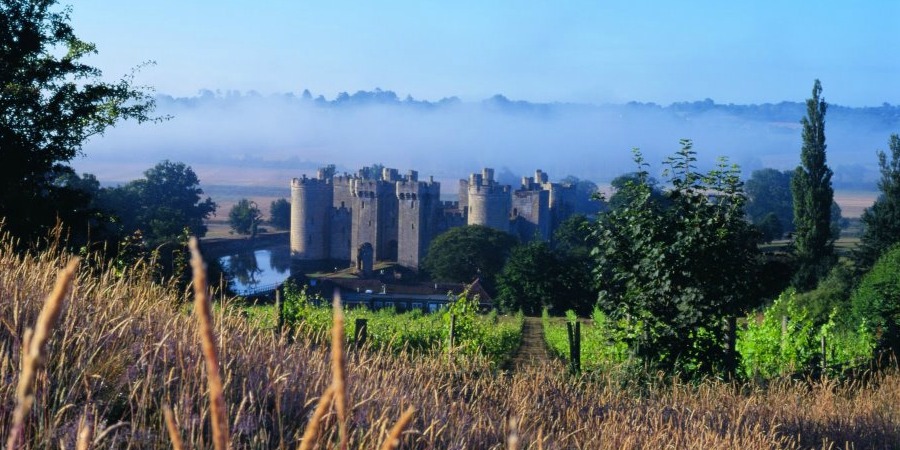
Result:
{"points": [[253, 139]]}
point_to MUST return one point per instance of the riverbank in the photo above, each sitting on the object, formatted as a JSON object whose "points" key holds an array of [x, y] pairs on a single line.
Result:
{"points": [[217, 247]]}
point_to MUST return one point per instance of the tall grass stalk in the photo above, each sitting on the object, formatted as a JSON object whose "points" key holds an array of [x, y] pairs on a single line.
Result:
{"points": [[124, 348], [34, 352], [203, 311]]}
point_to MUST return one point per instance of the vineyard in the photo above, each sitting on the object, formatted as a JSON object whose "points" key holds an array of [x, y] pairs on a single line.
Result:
{"points": [[491, 336], [781, 341], [125, 365]]}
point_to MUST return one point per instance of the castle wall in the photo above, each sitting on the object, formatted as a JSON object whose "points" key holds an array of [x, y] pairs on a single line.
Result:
{"points": [[463, 195], [342, 196], [311, 201], [418, 204], [531, 214], [333, 217], [450, 215], [562, 202], [374, 218], [341, 230]]}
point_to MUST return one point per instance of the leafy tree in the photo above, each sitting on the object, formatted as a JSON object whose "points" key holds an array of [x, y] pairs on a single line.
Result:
{"points": [[813, 197], [529, 282], [51, 103], [573, 237], [881, 222], [465, 253], [572, 243], [586, 200], [678, 269], [770, 228], [162, 204], [877, 299], [769, 192], [244, 217], [280, 214], [623, 187]]}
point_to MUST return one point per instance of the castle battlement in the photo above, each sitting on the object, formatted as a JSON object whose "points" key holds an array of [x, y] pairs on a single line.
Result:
{"points": [[304, 181], [394, 218]]}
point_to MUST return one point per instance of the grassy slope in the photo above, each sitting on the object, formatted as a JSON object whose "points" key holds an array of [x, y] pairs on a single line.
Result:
{"points": [[125, 348]]}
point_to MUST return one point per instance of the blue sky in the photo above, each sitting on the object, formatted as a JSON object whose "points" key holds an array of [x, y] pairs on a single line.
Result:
{"points": [[600, 51]]}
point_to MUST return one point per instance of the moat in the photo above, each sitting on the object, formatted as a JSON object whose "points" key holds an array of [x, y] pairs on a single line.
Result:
{"points": [[257, 270]]}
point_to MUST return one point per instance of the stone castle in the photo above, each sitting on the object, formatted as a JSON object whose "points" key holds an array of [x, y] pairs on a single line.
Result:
{"points": [[363, 219]]}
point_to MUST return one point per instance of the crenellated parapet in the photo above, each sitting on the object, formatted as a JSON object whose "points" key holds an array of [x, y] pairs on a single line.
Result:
{"points": [[311, 203], [395, 217]]}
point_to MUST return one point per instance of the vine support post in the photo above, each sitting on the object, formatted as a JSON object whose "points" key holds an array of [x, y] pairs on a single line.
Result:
{"points": [[574, 332], [360, 332], [452, 331], [279, 310]]}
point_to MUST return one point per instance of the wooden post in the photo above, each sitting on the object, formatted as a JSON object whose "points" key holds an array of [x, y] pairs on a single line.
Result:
{"points": [[360, 333], [452, 330], [728, 330], [578, 346], [279, 310], [824, 355], [783, 326], [574, 333]]}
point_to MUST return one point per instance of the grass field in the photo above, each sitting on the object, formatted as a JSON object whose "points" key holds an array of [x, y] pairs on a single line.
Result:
{"points": [[126, 354]]}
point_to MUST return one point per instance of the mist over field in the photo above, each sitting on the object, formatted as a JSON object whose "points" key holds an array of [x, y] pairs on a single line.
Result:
{"points": [[251, 139]]}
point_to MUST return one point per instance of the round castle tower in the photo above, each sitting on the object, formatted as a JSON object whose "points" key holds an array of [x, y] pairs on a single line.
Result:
{"points": [[311, 202], [488, 201]]}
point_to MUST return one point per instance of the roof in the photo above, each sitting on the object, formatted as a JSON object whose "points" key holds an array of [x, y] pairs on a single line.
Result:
{"points": [[410, 290]]}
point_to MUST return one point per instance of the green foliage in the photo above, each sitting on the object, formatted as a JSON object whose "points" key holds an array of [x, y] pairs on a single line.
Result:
{"points": [[679, 266], [244, 217], [833, 292], [537, 276], [604, 343], [530, 279], [280, 214], [586, 200], [813, 197], [769, 192], [773, 346], [877, 299], [475, 335], [465, 253], [463, 312], [881, 221], [161, 204], [572, 237], [299, 306], [51, 103], [624, 187], [770, 228]]}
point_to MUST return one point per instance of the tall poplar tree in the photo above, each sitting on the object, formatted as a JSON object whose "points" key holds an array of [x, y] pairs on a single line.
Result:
{"points": [[813, 196], [881, 221]]}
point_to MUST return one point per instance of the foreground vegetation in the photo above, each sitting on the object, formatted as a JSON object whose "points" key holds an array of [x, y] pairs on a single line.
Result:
{"points": [[425, 335], [124, 350]]}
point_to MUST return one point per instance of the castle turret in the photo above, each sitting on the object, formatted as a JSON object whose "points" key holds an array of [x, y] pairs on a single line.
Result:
{"points": [[418, 209], [488, 202], [310, 213], [374, 218]]}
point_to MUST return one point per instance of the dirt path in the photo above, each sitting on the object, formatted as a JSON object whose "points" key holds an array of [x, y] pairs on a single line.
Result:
{"points": [[533, 351]]}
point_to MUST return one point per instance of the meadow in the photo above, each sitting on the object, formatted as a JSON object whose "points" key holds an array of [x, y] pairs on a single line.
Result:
{"points": [[127, 362]]}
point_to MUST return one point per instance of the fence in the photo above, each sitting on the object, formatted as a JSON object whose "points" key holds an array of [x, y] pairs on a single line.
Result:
{"points": [[264, 289]]}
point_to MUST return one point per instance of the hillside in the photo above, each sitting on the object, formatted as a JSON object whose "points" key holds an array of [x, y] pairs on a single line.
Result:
{"points": [[125, 349]]}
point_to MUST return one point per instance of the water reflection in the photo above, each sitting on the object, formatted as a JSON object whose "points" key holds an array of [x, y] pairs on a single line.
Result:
{"points": [[257, 270]]}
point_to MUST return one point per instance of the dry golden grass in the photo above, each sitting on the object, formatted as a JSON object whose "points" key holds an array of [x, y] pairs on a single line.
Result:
{"points": [[124, 350]]}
